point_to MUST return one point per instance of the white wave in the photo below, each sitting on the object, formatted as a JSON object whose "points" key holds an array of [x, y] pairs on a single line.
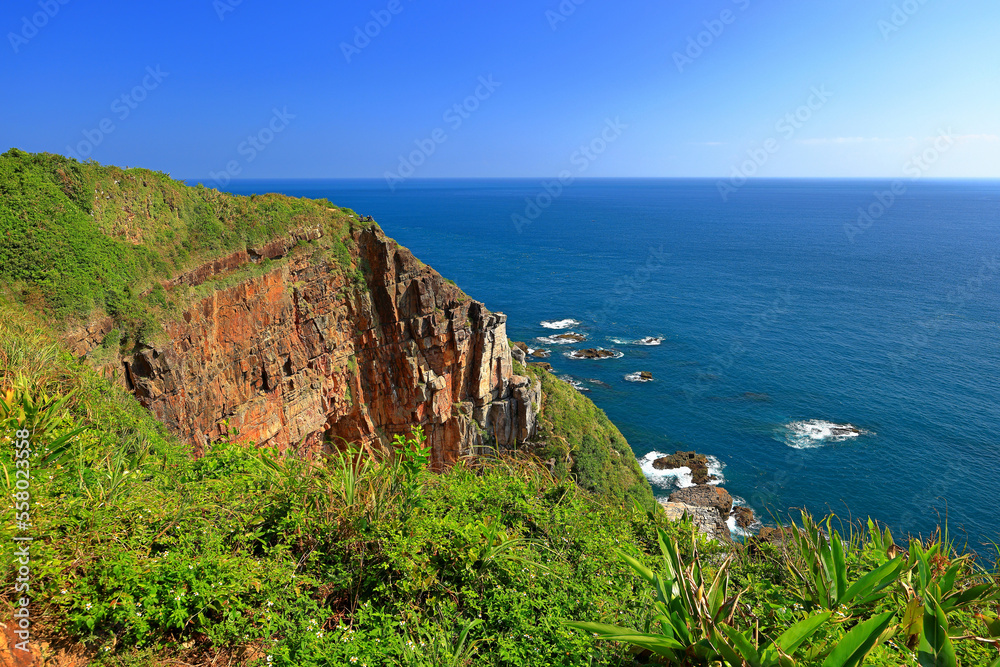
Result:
{"points": [[813, 433], [715, 467], [734, 529], [648, 340], [560, 324], [670, 479], [637, 377], [678, 478], [576, 354], [574, 382], [562, 339]]}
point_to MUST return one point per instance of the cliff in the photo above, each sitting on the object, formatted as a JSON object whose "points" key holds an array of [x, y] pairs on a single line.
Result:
{"points": [[291, 323], [301, 356]]}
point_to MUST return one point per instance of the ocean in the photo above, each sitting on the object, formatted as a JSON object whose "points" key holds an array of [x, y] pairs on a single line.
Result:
{"points": [[833, 345]]}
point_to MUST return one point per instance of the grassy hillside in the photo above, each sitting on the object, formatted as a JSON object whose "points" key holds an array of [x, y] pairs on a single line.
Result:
{"points": [[144, 553], [79, 237], [585, 444]]}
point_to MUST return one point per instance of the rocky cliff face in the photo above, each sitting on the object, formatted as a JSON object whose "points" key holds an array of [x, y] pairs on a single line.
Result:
{"points": [[302, 356]]}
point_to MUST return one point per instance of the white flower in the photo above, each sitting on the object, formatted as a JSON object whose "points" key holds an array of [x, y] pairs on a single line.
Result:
{"points": [[64, 591], [89, 605]]}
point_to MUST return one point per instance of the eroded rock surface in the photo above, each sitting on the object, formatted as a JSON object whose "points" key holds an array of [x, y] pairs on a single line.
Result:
{"points": [[303, 357], [706, 519], [705, 496]]}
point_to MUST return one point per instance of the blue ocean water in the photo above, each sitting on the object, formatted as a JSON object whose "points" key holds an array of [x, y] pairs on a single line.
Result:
{"points": [[783, 316]]}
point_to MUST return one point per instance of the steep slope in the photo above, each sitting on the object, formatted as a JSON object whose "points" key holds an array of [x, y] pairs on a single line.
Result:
{"points": [[292, 322]]}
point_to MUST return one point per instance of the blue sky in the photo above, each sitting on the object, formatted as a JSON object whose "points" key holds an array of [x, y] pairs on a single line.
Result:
{"points": [[694, 89]]}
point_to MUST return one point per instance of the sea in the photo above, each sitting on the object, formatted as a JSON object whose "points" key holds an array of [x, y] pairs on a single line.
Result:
{"points": [[831, 345]]}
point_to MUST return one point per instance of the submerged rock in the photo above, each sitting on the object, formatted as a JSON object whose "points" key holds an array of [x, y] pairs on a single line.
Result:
{"points": [[705, 496], [594, 353], [569, 336]]}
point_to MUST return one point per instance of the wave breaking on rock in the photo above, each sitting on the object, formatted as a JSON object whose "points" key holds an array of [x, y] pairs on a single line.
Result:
{"points": [[560, 324], [814, 433]]}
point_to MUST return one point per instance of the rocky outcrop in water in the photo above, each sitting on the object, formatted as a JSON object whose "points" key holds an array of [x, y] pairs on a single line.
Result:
{"points": [[696, 463]]}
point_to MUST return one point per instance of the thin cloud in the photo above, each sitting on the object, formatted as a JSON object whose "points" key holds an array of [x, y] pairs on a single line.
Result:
{"points": [[843, 140]]}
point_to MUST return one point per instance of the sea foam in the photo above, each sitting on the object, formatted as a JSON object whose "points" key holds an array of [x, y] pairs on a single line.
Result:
{"points": [[813, 433], [677, 478], [560, 324]]}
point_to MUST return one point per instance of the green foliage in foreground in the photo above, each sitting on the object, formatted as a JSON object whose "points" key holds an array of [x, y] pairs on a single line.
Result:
{"points": [[144, 554], [824, 602], [75, 237], [585, 444]]}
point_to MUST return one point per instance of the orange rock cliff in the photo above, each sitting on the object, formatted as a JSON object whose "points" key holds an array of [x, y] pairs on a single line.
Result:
{"points": [[301, 356]]}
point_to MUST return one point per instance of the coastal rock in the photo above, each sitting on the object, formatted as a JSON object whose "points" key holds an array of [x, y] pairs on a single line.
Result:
{"points": [[594, 353], [744, 517], [304, 357], [697, 463], [518, 354], [645, 375], [705, 496], [569, 337], [541, 354], [706, 519], [544, 365]]}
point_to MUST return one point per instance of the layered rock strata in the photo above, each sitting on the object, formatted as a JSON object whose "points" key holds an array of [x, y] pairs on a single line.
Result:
{"points": [[308, 355]]}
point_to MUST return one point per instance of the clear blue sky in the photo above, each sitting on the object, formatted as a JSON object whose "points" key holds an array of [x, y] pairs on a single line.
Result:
{"points": [[893, 85]]}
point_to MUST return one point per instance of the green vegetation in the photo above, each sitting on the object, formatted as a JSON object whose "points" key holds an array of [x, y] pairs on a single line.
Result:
{"points": [[585, 443], [247, 553], [76, 237], [818, 600], [144, 555]]}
